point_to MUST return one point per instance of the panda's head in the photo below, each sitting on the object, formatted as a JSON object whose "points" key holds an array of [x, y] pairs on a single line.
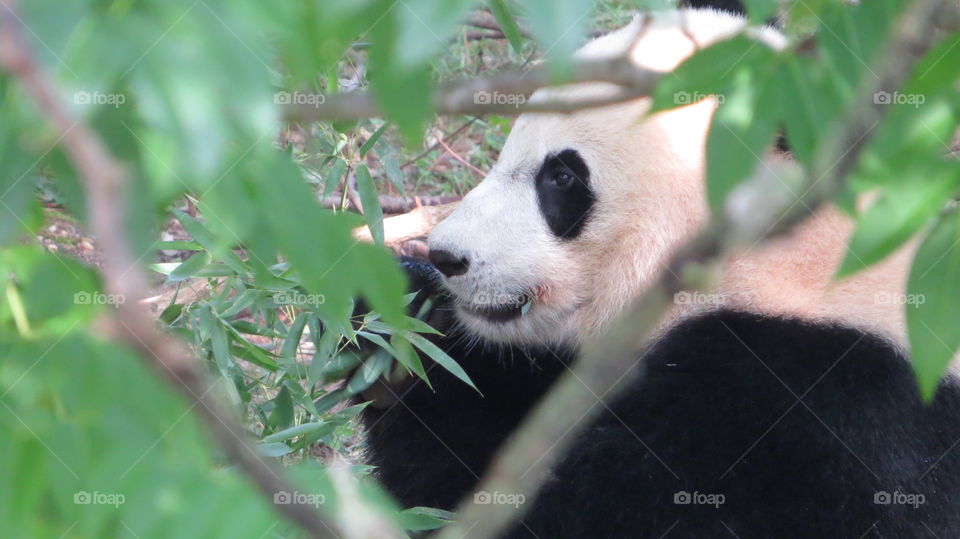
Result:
{"points": [[581, 210]]}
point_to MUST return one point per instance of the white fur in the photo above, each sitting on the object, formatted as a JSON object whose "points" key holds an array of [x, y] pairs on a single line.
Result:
{"points": [[648, 175]]}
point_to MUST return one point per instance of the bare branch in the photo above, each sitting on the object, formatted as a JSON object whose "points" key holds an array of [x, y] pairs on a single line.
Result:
{"points": [[105, 183], [411, 225], [546, 434], [396, 205], [462, 97]]}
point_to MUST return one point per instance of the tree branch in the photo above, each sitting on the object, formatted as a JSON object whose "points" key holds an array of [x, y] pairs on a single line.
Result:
{"points": [[464, 97], [106, 183], [548, 431]]}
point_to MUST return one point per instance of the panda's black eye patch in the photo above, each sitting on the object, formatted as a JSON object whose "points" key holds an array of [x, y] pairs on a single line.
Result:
{"points": [[564, 193]]}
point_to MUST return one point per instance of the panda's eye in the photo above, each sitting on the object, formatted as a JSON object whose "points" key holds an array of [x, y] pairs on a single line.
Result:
{"points": [[562, 178]]}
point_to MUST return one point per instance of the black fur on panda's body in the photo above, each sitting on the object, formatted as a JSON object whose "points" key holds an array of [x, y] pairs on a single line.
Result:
{"points": [[803, 429]]}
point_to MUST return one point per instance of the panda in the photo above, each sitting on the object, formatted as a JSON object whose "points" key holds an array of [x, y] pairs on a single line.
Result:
{"points": [[785, 406]]}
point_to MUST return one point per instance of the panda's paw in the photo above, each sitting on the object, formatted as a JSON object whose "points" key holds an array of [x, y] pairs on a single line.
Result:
{"points": [[422, 274], [426, 281]]}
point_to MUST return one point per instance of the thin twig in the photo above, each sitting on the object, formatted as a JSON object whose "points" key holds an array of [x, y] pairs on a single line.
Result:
{"points": [[351, 192], [456, 156], [545, 435], [105, 182], [449, 138]]}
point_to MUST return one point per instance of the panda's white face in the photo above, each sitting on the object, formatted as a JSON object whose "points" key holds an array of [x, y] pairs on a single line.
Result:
{"points": [[507, 251], [581, 209], [573, 220]]}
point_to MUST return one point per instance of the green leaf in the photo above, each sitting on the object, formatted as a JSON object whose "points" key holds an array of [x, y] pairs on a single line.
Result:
{"points": [[388, 160], [760, 10], [809, 103], [741, 132], [934, 284], [439, 356], [16, 183], [377, 340], [324, 356], [220, 343], [422, 27], [938, 71], [171, 313], [406, 39], [320, 246], [288, 351], [338, 367], [371, 369], [320, 427], [903, 210], [331, 399], [560, 28], [407, 356], [372, 211], [249, 352], [851, 37], [189, 267], [109, 424], [404, 96], [332, 180], [199, 232], [711, 71], [424, 518], [177, 246], [282, 414], [370, 142], [508, 24], [274, 449]]}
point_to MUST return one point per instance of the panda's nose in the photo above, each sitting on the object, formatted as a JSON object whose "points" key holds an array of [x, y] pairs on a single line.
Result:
{"points": [[448, 263]]}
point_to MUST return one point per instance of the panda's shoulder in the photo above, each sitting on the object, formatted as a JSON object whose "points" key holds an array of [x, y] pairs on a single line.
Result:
{"points": [[749, 351]]}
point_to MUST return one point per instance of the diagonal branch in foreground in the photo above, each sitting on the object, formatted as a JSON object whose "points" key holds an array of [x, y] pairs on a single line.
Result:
{"points": [[105, 183], [546, 433]]}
